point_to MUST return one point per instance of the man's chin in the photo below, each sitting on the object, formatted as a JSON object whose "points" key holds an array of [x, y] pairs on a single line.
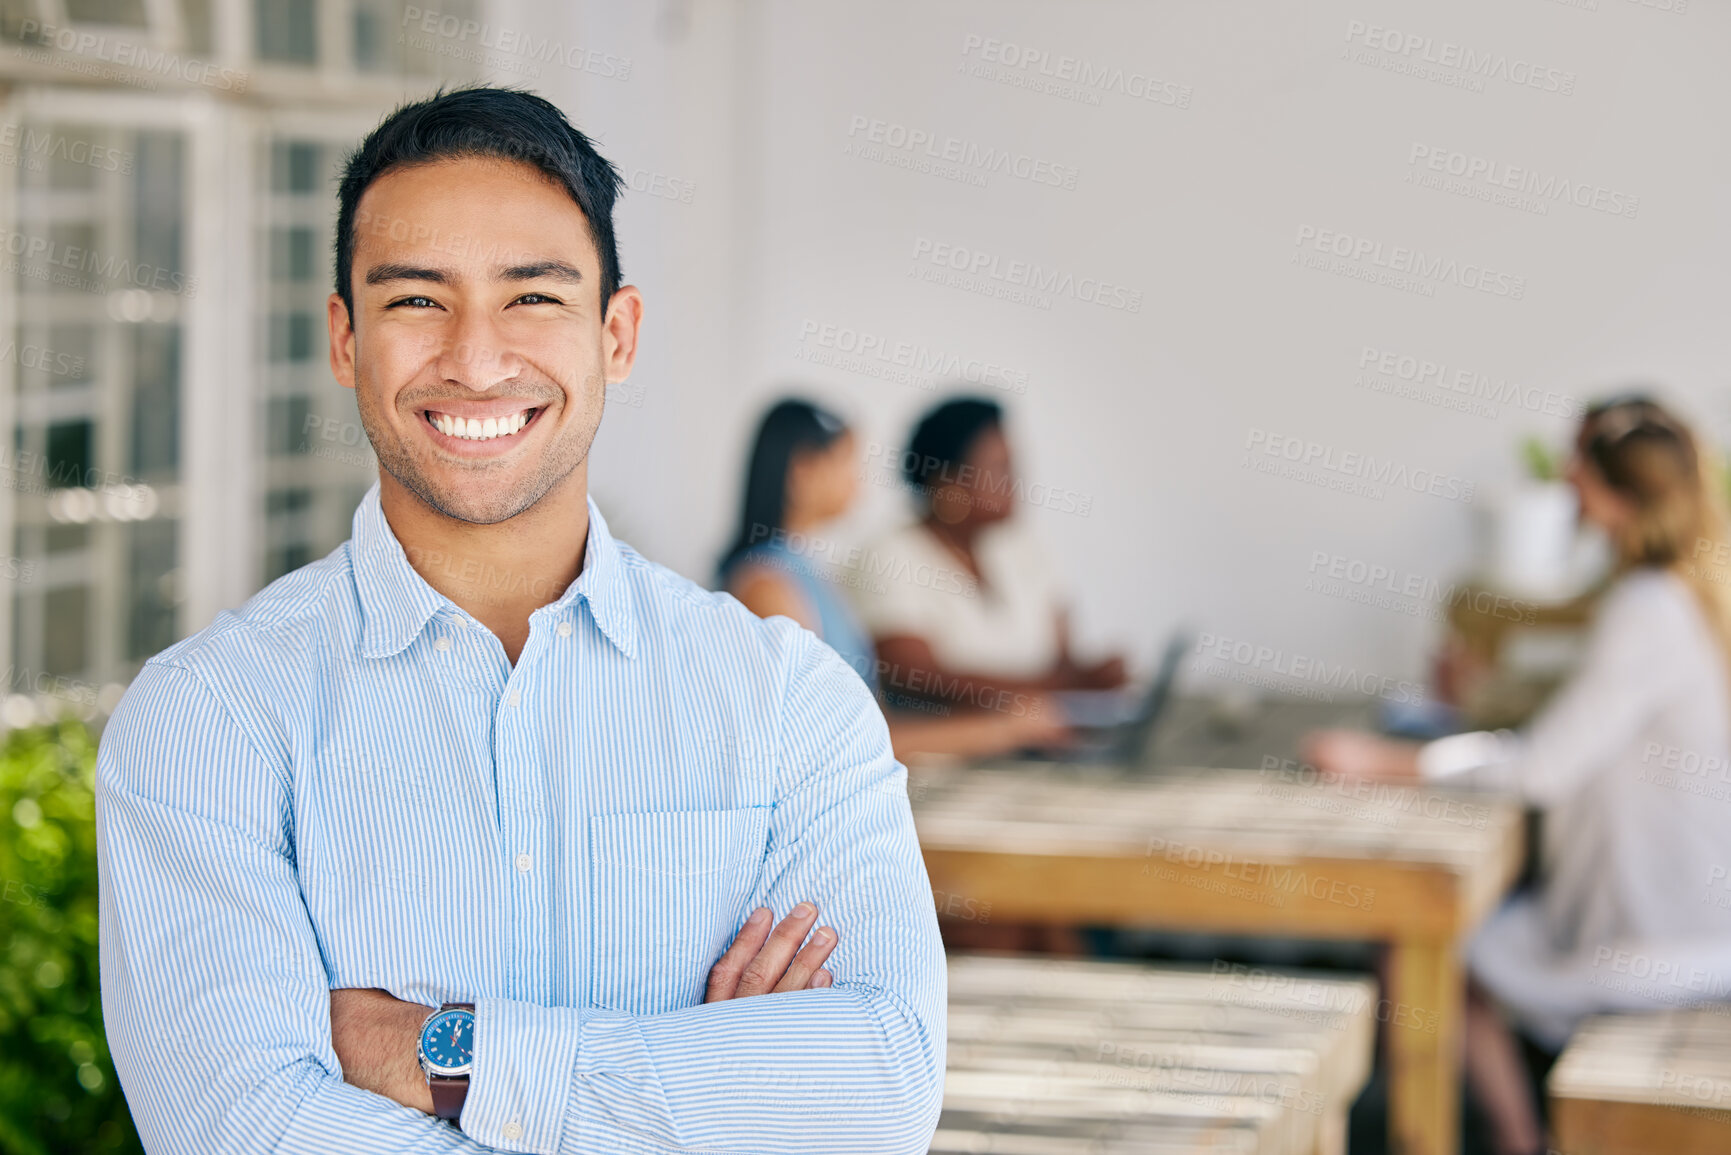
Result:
{"points": [[476, 503]]}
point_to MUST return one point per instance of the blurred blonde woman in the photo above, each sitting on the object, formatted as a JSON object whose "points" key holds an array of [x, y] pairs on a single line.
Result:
{"points": [[1628, 764]]}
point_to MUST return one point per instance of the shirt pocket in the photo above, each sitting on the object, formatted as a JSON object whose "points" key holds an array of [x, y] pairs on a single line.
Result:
{"points": [[668, 891]]}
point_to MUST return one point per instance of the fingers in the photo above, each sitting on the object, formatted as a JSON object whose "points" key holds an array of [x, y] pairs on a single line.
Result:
{"points": [[806, 963], [764, 971], [762, 961], [724, 976]]}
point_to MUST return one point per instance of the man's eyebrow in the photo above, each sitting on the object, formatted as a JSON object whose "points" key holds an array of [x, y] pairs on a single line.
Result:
{"points": [[381, 274], [535, 270]]}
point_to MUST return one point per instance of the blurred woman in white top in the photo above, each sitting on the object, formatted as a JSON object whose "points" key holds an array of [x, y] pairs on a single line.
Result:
{"points": [[1629, 765], [1005, 629]]}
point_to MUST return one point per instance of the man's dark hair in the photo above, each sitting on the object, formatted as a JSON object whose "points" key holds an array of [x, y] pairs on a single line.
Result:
{"points": [[941, 441], [505, 123]]}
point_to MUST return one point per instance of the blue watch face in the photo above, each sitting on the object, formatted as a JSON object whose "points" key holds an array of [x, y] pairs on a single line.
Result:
{"points": [[448, 1042]]}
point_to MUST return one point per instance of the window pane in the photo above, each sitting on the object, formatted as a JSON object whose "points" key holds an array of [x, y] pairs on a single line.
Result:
{"points": [[130, 12], [285, 425], [291, 336], [293, 253], [157, 209], [65, 632], [70, 459], [152, 587], [286, 30], [155, 399], [195, 21], [294, 166]]}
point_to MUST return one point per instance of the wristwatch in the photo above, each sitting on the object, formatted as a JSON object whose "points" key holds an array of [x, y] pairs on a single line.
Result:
{"points": [[447, 1055]]}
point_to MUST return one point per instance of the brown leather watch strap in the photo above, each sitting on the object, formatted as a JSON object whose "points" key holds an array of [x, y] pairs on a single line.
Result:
{"points": [[448, 1094]]}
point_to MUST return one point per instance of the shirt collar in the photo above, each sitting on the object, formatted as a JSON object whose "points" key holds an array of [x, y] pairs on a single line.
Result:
{"points": [[396, 602]]}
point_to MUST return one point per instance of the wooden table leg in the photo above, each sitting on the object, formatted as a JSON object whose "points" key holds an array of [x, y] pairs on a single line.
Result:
{"points": [[1423, 1021]]}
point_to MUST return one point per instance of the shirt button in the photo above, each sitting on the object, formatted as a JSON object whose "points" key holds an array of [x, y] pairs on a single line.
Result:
{"points": [[523, 867], [513, 699], [564, 629], [513, 1131], [441, 644]]}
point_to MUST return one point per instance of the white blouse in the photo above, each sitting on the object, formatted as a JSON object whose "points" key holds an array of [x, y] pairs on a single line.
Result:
{"points": [[1631, 764], [1004, 624]]}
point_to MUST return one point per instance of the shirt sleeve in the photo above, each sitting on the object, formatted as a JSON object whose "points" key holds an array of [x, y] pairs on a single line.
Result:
{"points": [[213, 992], [1629, 670], [854, 1068]]}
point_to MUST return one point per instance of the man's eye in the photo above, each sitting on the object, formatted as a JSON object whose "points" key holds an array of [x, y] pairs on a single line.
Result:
{"points": [[414, 302], [537, 299]]}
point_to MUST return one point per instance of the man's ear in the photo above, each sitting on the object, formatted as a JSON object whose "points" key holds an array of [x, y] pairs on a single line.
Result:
{"points": [[342, 331], [619, 331]]}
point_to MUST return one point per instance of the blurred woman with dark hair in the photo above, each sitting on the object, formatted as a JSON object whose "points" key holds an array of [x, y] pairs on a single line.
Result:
{"points": [[1630, 843], [804, 474], [1008, 632]]}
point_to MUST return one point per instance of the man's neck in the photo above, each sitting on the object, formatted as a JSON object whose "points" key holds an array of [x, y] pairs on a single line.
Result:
{"points": [[499, 574]]}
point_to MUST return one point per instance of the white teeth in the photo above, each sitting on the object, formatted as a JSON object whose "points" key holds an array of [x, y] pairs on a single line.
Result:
{"points": [[473, 429]]}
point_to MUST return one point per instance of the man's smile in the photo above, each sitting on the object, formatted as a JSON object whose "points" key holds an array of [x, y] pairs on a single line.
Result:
{"points": [[465, 423]]}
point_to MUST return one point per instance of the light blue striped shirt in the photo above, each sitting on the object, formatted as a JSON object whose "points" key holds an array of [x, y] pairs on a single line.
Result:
{"points": [[347, 784]]}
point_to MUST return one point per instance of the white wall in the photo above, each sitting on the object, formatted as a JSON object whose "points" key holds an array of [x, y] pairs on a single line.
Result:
{"points": [[1197, 208]]}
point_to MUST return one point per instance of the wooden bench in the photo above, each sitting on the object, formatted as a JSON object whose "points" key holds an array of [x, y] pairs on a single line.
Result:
{"points": [[1060, 1057], [1646, 1084]]}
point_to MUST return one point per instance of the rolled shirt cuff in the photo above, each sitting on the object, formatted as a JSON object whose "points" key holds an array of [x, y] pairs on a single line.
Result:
{"points": [[525, 1070]]}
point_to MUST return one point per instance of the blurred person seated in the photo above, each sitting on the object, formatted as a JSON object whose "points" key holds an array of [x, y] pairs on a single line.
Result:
{"points": [[1006, 630], [803, 475], [1629, 841]]}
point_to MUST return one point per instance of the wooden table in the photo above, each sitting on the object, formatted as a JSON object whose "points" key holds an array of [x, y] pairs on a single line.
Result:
{"points": [[1646, 1084], [1057, 1056], [1270, 853]]}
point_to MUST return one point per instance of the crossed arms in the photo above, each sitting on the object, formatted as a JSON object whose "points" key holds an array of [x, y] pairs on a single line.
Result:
{"points": [[220, 1017]]}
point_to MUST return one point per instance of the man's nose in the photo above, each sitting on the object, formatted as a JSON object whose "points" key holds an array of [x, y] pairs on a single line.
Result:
{"points": [[477, 356]]}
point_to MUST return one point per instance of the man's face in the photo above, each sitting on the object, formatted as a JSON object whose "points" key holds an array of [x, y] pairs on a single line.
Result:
{"points": [[478, 351]]}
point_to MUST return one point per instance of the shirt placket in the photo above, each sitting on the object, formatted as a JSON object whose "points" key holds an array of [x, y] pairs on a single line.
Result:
{"points": [[524, 826]]}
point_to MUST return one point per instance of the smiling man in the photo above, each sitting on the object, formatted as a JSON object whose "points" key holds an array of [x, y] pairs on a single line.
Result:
{"points": [[484, 818]]}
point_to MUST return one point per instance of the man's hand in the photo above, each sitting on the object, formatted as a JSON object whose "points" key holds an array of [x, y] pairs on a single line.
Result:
{"points": [[762, 962], [375, 1037]]}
